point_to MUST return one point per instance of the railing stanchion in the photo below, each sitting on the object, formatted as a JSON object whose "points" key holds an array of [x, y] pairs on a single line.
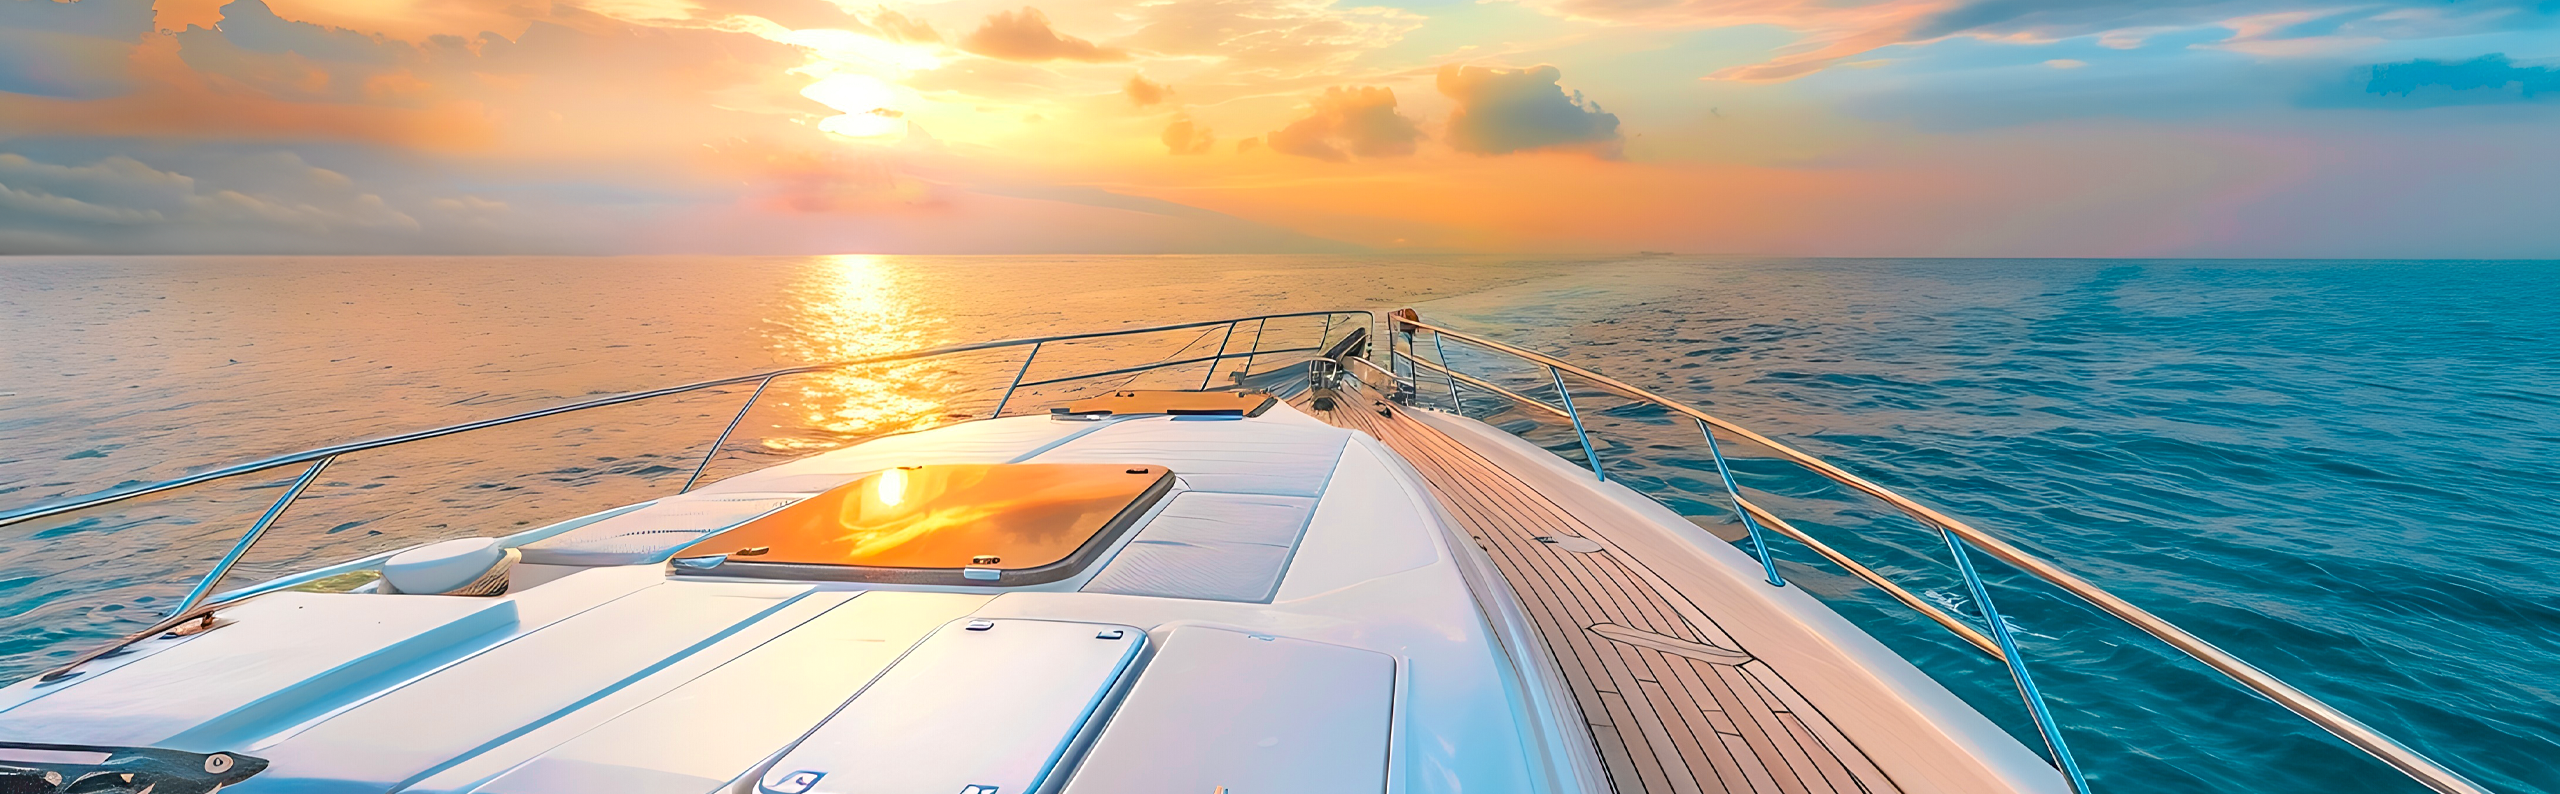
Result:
{"points": [[1759, 539], [1394, 330], [1457, 402], [1566, 395], [2017, 666], [723, 440], [1222, 353], [250, 538], [1256, 348], [1017, 380]]}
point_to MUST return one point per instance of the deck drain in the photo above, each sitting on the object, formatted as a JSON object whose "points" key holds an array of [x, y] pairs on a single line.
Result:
{"points": [[1570, 543]]}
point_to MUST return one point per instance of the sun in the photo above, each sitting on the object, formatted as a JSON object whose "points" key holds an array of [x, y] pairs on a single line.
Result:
{"points": [[866, 102]]}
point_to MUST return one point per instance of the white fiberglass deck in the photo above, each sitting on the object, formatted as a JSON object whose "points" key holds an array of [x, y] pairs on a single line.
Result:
{"points": [[1305, 622]]}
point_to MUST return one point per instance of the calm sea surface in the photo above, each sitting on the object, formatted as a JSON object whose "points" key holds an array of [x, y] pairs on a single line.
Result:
{"points": [[2341, 472]]}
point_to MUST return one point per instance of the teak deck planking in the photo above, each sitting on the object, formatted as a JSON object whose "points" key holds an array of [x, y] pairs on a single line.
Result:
{"points": [[1674, 705]]}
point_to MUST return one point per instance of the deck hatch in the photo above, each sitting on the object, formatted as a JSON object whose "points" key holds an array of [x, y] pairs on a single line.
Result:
{"points": [[1249, 714], [1003, 708], [1010, 523]]}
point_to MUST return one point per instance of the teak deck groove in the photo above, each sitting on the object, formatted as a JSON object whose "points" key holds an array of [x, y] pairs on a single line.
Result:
{"points": [[1673, 704]]}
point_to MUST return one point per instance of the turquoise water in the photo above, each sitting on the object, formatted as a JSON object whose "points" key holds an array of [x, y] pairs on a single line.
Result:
{"points": [[2338, 471]]}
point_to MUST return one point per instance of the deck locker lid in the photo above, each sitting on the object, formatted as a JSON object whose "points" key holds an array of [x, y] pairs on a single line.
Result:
{"points": [[992, 706], [1247, 714]]}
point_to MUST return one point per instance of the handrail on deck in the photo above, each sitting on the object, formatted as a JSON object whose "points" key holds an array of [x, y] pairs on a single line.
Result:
{"points": [[1960, 537], [199, 600], [75, 504]]}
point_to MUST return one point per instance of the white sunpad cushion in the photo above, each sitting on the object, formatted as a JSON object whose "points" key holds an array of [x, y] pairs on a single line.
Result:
{"points": [[1224, 455], [650, 533], [1210, 546]]}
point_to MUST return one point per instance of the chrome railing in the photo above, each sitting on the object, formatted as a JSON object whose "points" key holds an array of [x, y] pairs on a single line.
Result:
{"points": [[1962, 541], [201, 600]]}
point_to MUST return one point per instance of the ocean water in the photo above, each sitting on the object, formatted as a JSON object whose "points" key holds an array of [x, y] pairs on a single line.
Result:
{"points": [[2339, 471]]}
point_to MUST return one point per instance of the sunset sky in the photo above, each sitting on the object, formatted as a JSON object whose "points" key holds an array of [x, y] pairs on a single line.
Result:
{"points": [[2309, 128]]}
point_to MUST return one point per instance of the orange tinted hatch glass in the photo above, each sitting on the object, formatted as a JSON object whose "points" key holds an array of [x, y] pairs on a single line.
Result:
{"points": [[1004, 516]]}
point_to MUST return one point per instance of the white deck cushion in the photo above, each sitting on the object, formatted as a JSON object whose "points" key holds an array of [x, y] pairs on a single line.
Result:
{"points": [[526, 682], [1007, 440], [1217, 453], [1214, 546], [284, 655], [649, 534], [702, 733]]}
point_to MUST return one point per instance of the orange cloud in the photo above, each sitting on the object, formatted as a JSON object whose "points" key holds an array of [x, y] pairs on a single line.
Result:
{"points": [[171, 99], [1181, 137], [572, 90], [1346, 122], [1943, 195], [1143, 93], [1269, 38], [902, 28], [1026, 36]]}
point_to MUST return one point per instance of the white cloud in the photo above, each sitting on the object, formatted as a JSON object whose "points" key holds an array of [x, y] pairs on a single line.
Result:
{"points": [[271, 200], [364, 211], [1508, 110], [52, 207]]}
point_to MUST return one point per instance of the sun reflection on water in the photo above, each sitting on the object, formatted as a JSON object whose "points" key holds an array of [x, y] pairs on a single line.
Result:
{"points": [[849, 307]]}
